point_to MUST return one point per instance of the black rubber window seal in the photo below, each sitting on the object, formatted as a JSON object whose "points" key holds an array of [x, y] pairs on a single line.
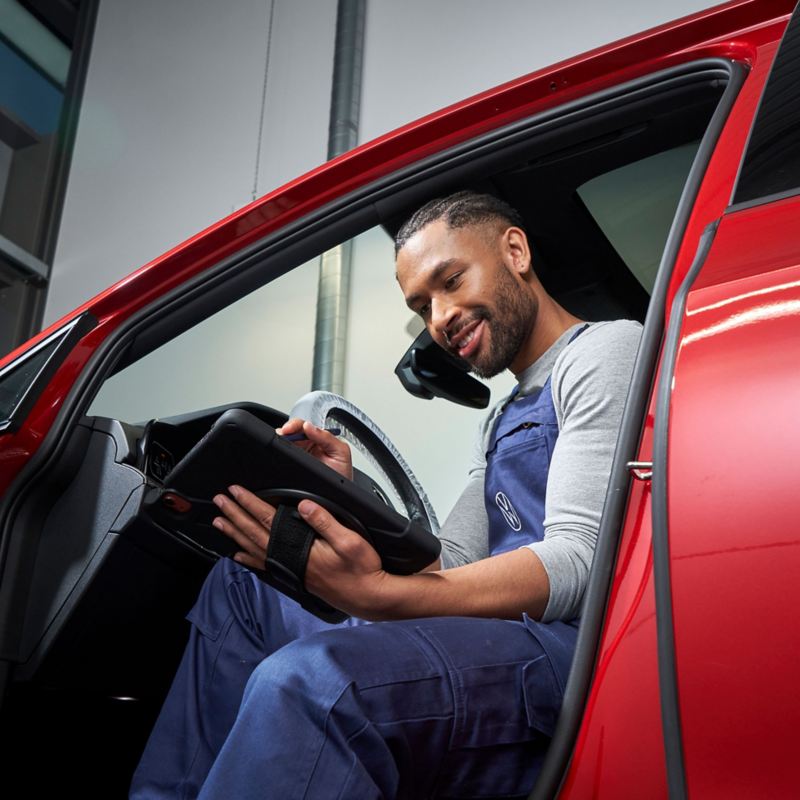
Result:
{"points": [[667, 661]]}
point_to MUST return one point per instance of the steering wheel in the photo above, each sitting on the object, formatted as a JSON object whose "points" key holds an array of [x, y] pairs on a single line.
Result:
{"points": [[325, 410]]}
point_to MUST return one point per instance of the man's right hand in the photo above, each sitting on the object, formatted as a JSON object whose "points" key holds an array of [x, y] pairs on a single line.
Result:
{"points": [[324, 446]]}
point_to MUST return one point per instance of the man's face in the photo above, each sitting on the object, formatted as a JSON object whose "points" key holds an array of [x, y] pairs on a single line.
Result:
{"points": [[465, 285]]}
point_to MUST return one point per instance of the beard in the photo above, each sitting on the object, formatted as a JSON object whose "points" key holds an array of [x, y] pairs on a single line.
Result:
{"points": [[509, 324]]}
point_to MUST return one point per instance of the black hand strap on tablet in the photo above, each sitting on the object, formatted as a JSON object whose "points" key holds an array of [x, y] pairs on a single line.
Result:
{"points": [[290, 543]]}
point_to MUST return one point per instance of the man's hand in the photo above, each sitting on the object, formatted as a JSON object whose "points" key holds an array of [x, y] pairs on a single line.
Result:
{"points": [[343, 568], [324, 446], [247, 520]]}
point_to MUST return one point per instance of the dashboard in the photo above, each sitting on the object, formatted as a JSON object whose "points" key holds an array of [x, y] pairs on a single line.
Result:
{"points": [[162, 443]]}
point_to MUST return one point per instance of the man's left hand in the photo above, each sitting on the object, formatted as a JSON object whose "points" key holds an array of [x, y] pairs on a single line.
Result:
{"points": [[343, 568]]}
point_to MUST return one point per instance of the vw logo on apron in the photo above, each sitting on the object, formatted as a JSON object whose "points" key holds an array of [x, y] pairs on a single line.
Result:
{"points": [[508, 511]]}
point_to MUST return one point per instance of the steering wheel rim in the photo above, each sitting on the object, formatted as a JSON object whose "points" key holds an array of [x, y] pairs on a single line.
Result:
{"points": [[325, 409]]}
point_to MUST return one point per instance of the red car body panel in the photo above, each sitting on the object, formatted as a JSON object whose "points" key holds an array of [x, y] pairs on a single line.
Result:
{"points": [[734, 540], [728, 606], [619, 752]]}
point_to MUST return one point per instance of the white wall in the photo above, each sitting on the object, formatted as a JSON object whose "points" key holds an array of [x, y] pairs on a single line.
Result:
{"points": [[168, 143], [168, 133], [422, 55]]}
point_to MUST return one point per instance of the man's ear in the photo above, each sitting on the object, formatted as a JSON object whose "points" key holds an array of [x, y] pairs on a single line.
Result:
{"points": [[516, 250]]}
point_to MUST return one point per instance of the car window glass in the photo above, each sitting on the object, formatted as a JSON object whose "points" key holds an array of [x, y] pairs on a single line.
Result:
{"points": [[16, 380], [634, 206], [261, 349], [772, 161]]}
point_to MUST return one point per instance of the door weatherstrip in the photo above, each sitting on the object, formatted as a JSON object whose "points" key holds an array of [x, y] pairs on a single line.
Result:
{"points": [[667, 663]]}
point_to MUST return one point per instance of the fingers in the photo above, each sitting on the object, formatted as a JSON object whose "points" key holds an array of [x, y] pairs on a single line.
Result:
{"points": [[248, 542], [326, 441], [259, 509], [341, 539], [247, 521], [294, 425], [321, 444], [340, 559], [318, 436]]}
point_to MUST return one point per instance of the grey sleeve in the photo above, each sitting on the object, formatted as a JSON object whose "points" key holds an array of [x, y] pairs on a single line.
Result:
{"points": [[465, 532], [590, 382]]}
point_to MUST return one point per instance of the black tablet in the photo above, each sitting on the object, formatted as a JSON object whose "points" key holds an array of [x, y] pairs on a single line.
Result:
{"points": [[242, 449]]}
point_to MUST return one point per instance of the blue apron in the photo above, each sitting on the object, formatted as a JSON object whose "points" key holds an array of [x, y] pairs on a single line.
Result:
{"points": [[517, 465]]}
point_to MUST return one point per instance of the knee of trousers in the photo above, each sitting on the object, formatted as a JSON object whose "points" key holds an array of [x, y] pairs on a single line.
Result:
{"points": [[313, 670], [317, 671]]}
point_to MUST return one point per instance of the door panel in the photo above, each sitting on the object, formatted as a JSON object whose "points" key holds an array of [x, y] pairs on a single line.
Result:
{"points": [[732, 482], [734, 544], [620, 752]]}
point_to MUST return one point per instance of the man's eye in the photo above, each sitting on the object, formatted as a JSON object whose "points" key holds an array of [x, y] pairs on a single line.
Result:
{"points": [[452, 281], [423, 310]]}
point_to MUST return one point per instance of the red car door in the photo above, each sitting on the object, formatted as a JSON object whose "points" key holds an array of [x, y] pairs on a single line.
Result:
{"points": [[728, 456], [693, 688]]}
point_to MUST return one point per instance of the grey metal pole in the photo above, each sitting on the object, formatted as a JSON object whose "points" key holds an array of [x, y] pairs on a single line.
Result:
{"points": [[330, 338]]}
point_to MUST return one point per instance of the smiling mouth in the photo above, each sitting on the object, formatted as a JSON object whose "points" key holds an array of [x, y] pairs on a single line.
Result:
{"points": [[466, 342]]}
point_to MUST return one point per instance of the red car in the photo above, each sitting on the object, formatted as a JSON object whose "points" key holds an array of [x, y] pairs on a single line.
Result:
{"points": [[660, 178]]}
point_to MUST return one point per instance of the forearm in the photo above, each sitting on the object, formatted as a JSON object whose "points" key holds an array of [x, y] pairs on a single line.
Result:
{"points": [[504, 586]]}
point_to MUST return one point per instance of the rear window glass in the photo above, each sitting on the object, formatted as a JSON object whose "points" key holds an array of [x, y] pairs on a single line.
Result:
{"points": [[634, 206], [16, 380], [772, 162]]}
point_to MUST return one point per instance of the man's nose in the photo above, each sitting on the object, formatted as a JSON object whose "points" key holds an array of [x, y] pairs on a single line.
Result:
{"points": [[443, 315]]}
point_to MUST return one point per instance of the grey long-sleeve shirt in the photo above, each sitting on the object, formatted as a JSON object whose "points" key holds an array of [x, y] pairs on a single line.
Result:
{"points": [[590, 379]]}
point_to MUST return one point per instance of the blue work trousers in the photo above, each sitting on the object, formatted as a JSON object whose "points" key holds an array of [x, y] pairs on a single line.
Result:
{"points": [[270, 702]]}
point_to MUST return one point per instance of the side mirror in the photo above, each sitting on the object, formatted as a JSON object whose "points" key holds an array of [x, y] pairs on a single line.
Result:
{"points": [[427, 371]]}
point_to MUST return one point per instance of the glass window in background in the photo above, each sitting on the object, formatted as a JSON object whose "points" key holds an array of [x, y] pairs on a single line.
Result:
{"points": [[38, 86]]}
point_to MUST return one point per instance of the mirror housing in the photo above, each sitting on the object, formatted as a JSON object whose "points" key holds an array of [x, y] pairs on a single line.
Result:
{"points": [[427, 371]]}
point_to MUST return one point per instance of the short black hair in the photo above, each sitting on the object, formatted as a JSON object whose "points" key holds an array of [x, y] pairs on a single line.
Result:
{"points": [[458, 210]]}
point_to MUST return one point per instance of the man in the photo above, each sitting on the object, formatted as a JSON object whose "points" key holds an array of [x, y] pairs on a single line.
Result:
{"points": [[455, 691]]}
